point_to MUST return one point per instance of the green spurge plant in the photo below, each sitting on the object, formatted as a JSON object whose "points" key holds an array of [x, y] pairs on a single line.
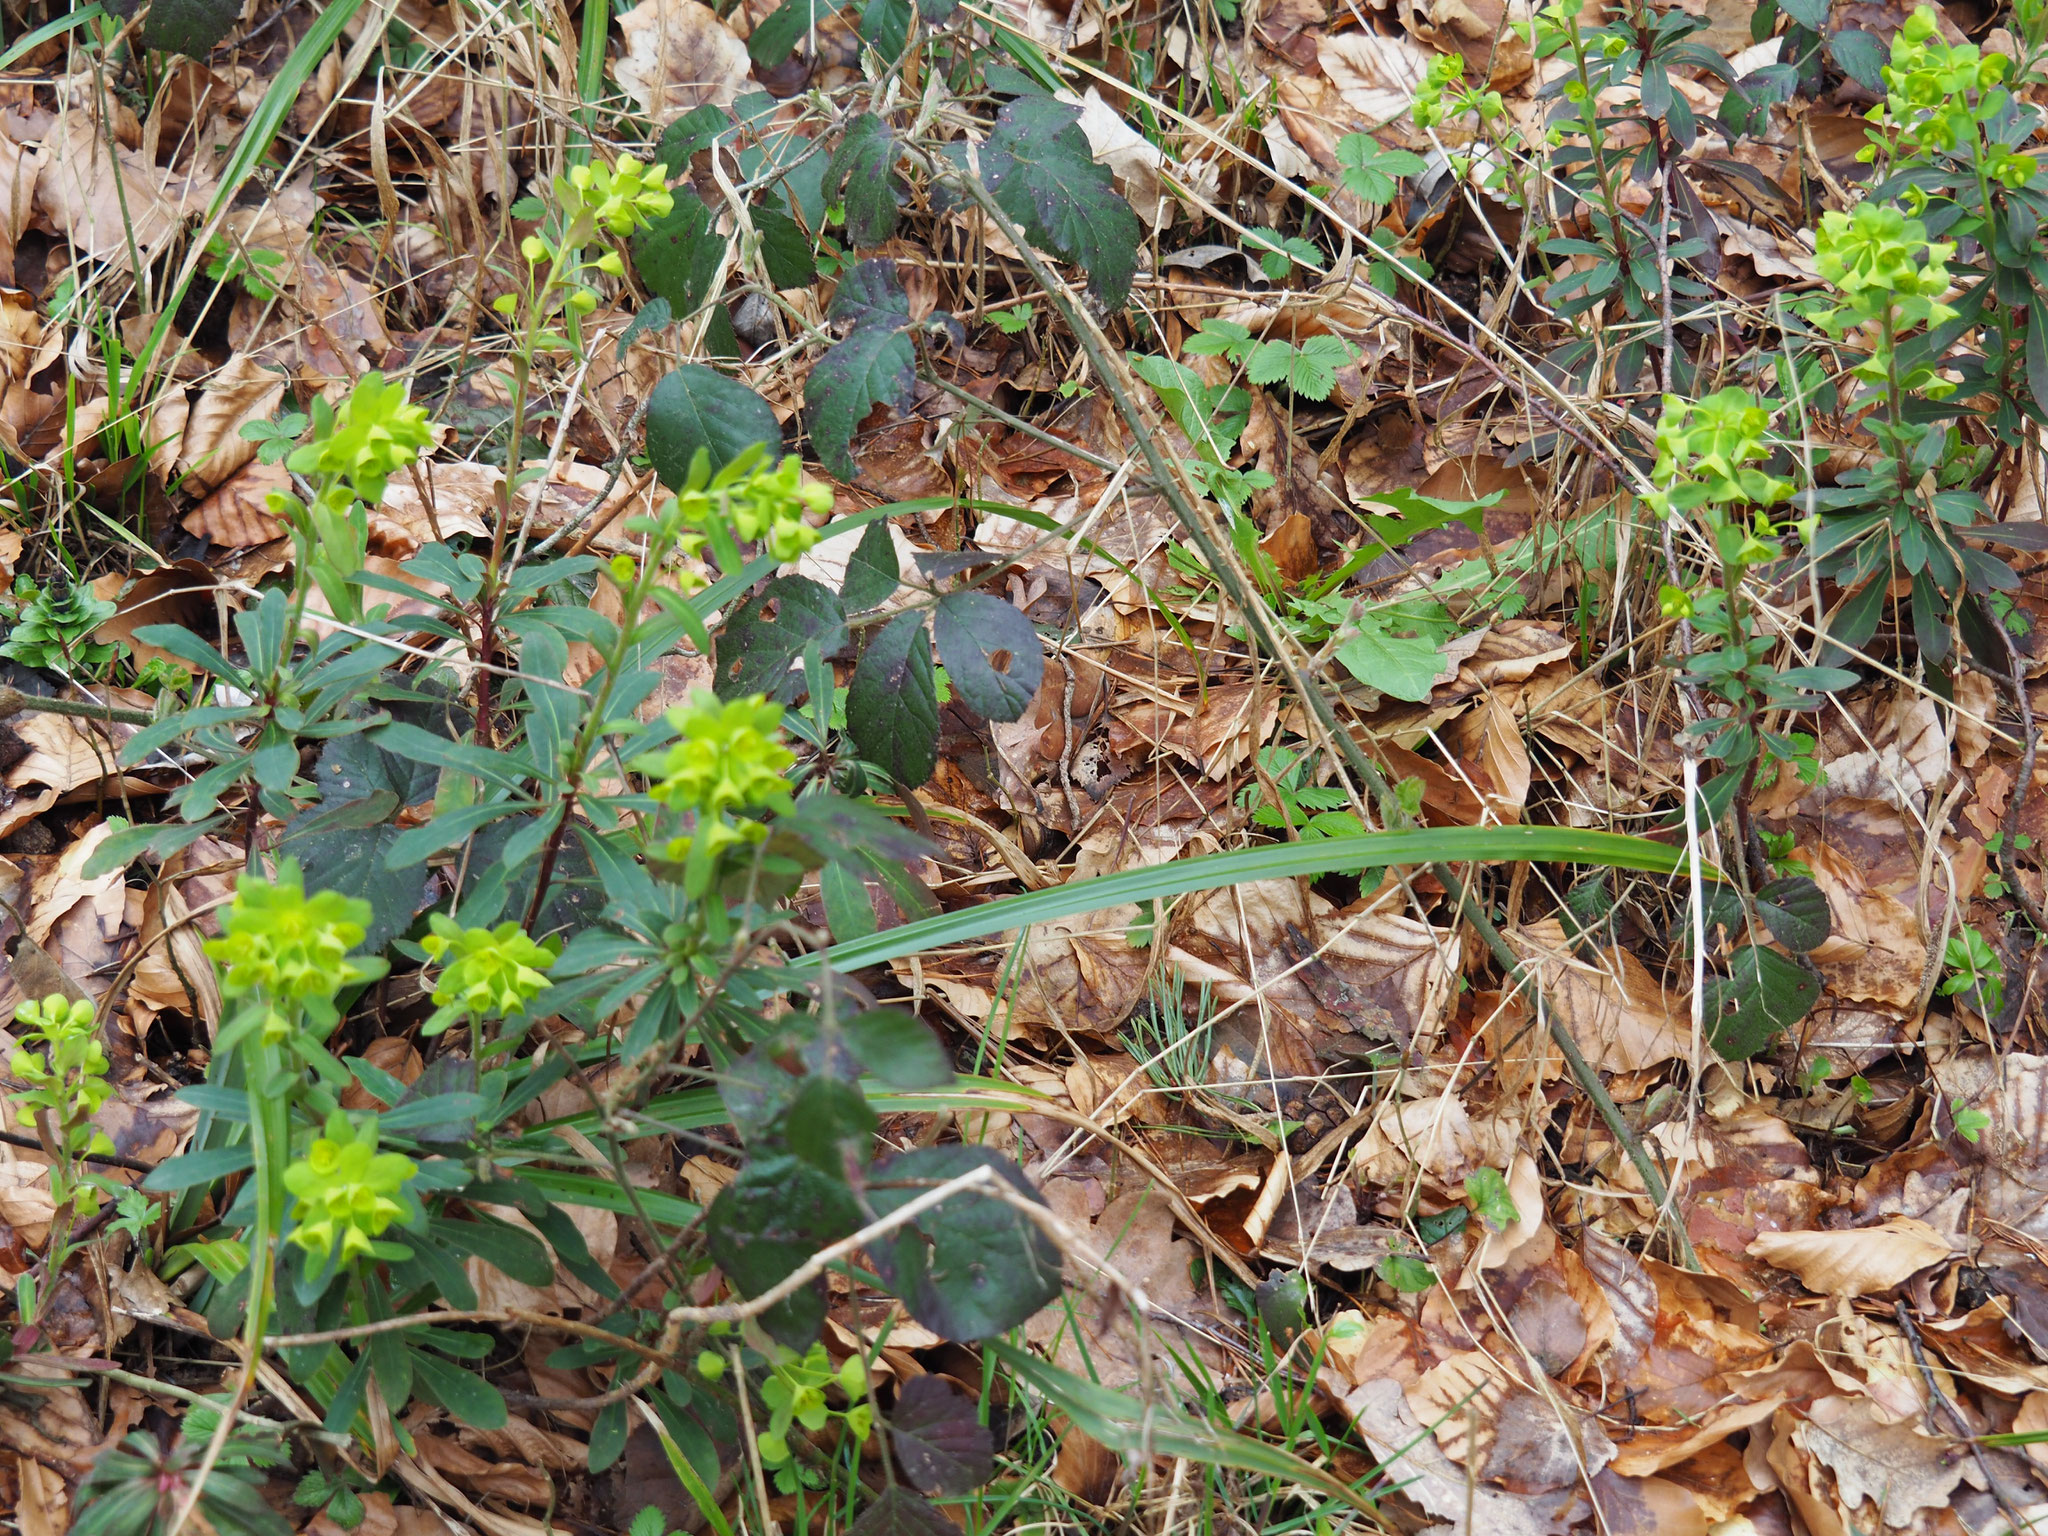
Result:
{"points": [[64, 1070], [1709, 467], [486, 973], [355, 449], [1940, 302], [343, 1194], [53, 628]]}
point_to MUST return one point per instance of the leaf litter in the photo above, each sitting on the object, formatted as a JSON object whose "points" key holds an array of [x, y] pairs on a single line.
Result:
{"points": [[1838, 1322]]}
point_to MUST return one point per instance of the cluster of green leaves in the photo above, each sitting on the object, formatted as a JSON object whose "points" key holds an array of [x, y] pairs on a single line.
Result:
{"points": [[1935, 342], [52, 627], [63, 1070]]}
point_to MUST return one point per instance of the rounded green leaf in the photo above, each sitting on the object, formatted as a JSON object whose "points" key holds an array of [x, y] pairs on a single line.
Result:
{"points": [[698, 407]]}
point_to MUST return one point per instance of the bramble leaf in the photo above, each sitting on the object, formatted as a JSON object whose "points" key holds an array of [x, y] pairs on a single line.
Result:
{"points": [[1039, 168], [892, 704], [865, 166], [990, 651], [698, 407]]}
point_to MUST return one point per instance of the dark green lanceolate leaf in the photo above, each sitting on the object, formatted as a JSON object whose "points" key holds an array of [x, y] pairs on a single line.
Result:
{"points": [[768, 1222], [505, 1248], [1038, 167], [865, 165], [873, 573], [898, 1049], [1763, 994], [1796, 912], [990, 652], [761, 643], [874, 365], [465, 1394], [697, 407], [974, 1266], [899, 1512], [892, 704], [190, 27], [945, 1449]]}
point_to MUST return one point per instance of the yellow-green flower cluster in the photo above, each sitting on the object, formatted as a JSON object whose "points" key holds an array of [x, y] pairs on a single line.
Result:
{"points": [[768, 506], [1936, 95], [1444, 94], [69, 1078], [375, 433], [344, 1191], [730, 758], [1708, 450], [285, 946], [620, 197], [486, 972], [1889, 276]]}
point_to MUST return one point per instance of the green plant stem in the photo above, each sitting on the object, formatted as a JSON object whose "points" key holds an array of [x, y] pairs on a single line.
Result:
{"points": [[1270, 639], [14, 702], [270, 1141]]}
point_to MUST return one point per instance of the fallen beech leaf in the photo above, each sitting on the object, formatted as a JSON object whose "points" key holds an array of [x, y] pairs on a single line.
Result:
{"points": [[679, 55], [1858, 1262]]}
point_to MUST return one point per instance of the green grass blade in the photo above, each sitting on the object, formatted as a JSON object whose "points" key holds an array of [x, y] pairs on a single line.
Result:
{"points": [[1279, 861], [257, 136], [23, 46], [1124, 1424]]}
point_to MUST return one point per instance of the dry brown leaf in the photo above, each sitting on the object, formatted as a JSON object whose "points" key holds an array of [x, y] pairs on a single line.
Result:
{"points": [[1614, 1008], [212, 447], [1893, 1467], [679, 55], [238, 514], [1391, 1431], [1858, 1262], [76, 187]]}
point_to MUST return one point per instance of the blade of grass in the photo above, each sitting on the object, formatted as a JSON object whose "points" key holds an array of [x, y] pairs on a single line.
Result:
{"points": [[261, 131], [1418, 845]]}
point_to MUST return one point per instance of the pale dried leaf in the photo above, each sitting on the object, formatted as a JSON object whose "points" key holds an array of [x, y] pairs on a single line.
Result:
{"points": [[1857, 1262]]}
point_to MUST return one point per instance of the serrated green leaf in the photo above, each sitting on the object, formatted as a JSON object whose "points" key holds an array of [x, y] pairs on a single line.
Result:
{"points": [[1405, 1273], [939, 1438], [1860, 56], [865, 166], [1762, 994], [873, 572], [885, 26], [678, 254], [973, 1267], [874, 365], [775, 38], [770, 1219], [1369, 172], [990, 651], [1487, 1192], [1796, 911], [698, 407], [892, 703], [760, 644], [1039, 168], [899, 1512]]}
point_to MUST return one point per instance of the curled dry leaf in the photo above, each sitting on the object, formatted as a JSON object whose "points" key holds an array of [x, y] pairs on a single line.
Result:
{"points": [[1615, 1009], [679, 55], [1858, 1262], [108, 217]]}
